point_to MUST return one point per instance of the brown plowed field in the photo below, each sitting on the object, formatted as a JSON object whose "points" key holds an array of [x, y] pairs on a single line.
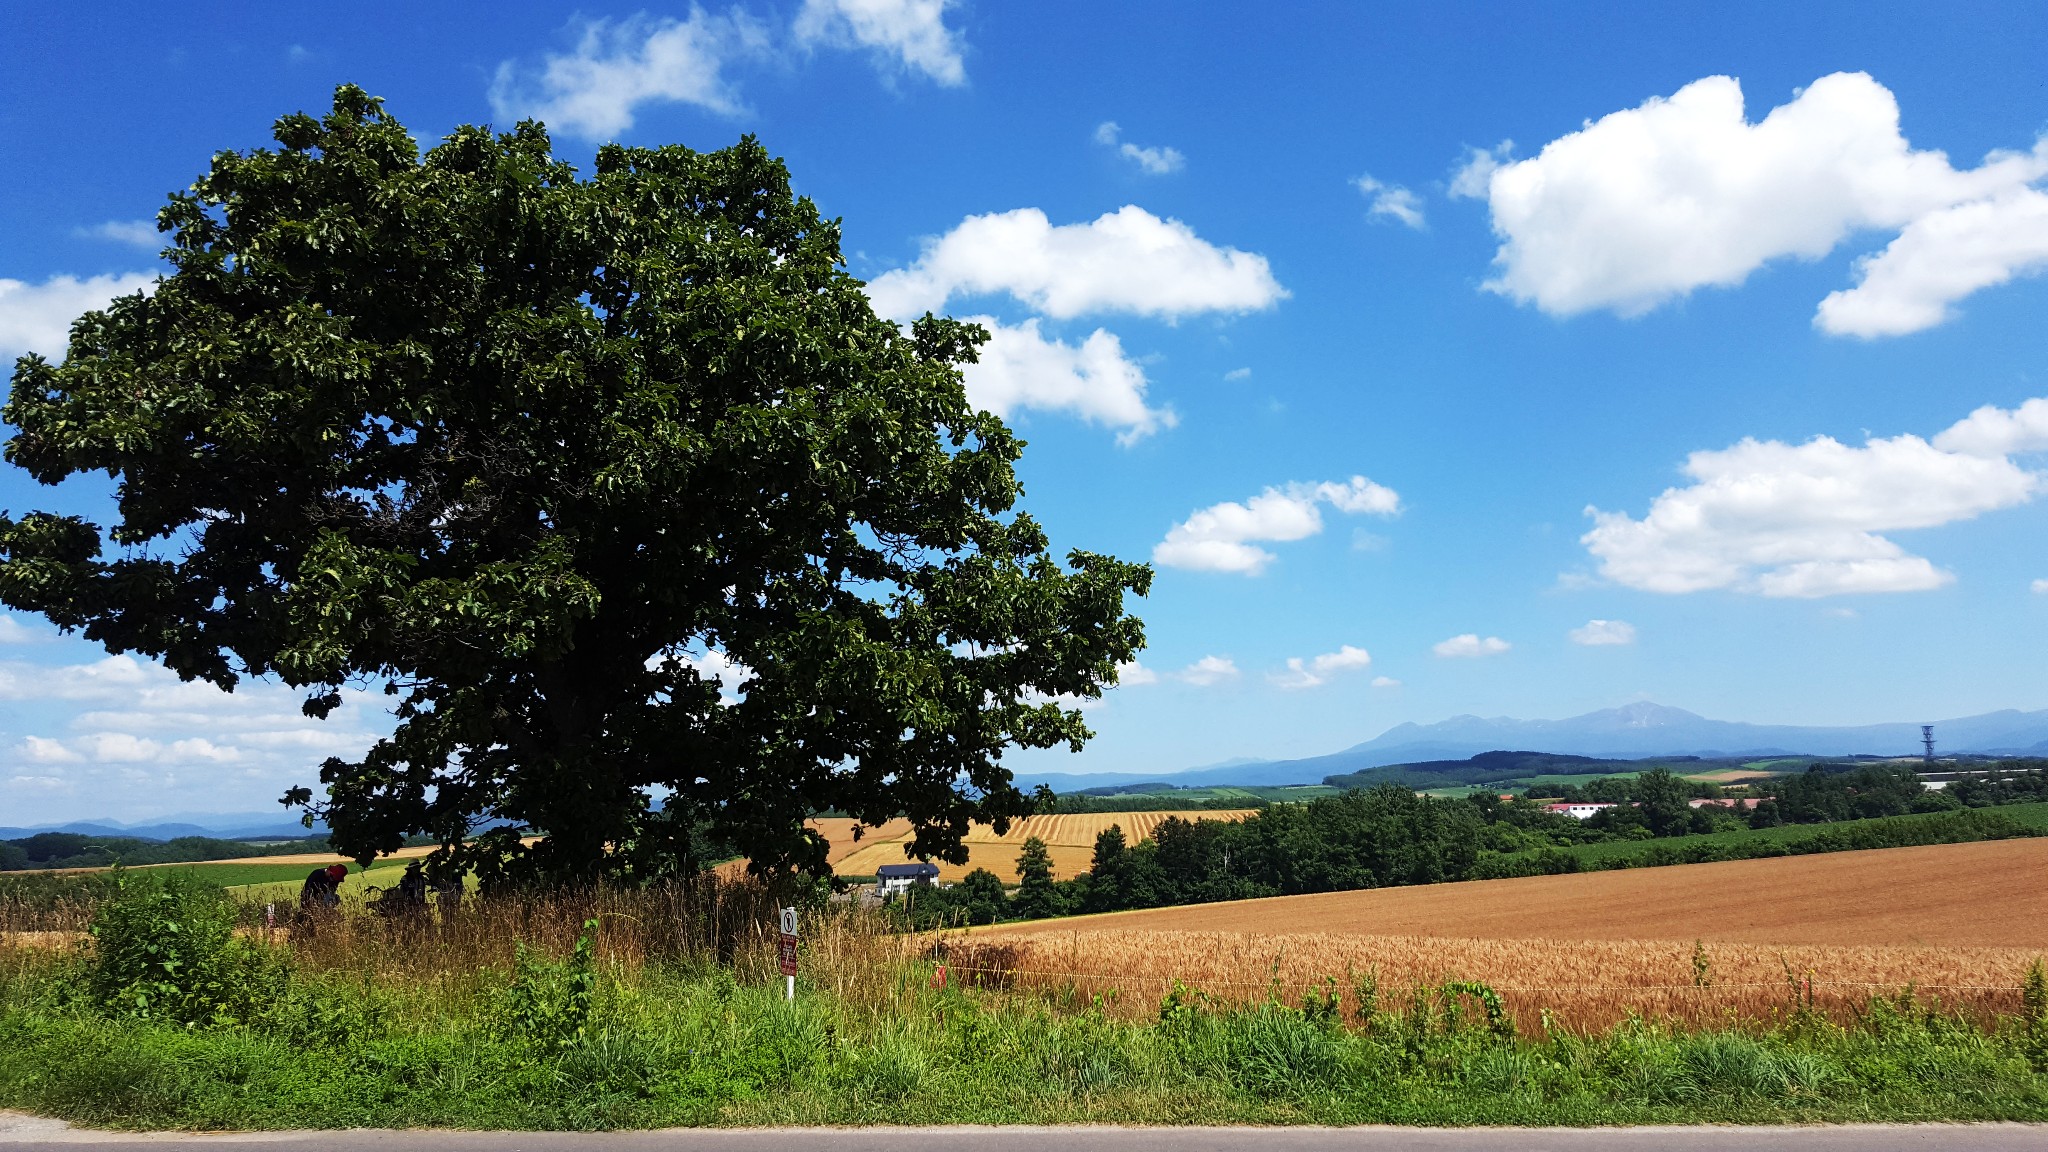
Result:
{"points": [[1988, 895], [1069, 839]]}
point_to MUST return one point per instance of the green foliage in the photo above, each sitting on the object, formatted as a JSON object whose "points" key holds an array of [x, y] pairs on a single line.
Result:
{"points": [[2034, 1014], [977, 899], [1112, 876], [1036, 897], [523, 447], [1833, 792], [2003, 782], [549, 1001], [1954, 827], [164, 949], [1377, 837], [1962, 827]]}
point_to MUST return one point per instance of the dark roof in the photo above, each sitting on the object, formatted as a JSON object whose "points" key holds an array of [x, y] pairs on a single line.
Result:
{"points": [[890, 871]]}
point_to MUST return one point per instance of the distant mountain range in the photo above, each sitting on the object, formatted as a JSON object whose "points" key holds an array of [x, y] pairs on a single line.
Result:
{"points": [[219, 825], [1633, 731]]}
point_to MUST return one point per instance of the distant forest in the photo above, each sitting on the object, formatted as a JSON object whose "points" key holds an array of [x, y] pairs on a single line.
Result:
{"points": [[78, 850], [1390, 835]]}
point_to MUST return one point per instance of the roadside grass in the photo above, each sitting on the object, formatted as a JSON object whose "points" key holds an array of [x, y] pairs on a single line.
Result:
{"points": [[662, 1007]]}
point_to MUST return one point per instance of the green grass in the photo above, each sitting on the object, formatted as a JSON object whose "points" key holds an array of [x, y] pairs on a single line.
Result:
{"points": [[693, 1046], [238, 875], [175, 1021]]}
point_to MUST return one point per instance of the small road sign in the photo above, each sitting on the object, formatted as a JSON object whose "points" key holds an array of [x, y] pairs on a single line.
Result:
{"points": [[785, 951]]}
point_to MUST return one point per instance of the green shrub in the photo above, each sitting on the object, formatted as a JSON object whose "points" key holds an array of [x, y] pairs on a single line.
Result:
{"points": [[164, 948], [549, 1001]]}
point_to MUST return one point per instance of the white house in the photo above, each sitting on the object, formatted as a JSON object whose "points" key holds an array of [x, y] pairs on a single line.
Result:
{"points": [[899, 877], [1577, 811]]}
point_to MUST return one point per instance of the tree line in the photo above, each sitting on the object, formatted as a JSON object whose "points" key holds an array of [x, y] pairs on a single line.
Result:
{"points": [[79, 850], [1389, 836]]}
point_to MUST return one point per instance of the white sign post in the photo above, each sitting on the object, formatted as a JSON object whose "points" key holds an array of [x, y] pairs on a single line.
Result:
{"points": [[786, 951]]}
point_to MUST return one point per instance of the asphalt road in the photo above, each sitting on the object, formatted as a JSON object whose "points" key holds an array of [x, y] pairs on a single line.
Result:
{"points": [[23, 1134]]}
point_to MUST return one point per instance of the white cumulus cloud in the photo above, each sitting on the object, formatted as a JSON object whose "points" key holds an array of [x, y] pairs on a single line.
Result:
{"points": [[1132, 674], [37, 317], [1123, 261], [2040, 587], [44, 750], [1470, 644], [1647, 204], [1806, 520], [1600, 633], [1317, 671], [1022, 368], [911, 34], [1937, 260], [1391, 201], [1221, 538], [1385, 682], [1157, 161], [617, 66], [1208, 670]]}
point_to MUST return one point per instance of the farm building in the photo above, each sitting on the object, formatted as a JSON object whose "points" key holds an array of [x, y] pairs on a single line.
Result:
{"points": [[1577, 811], [900, 877]]}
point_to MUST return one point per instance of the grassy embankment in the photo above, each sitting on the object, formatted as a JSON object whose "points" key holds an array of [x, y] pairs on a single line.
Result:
{"points": [[669, 1013]]}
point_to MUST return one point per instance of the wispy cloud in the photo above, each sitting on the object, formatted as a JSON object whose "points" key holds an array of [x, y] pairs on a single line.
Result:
{"points": [[907, 34], [1470, 645], [1603, 633], [136, 233], [1158, 161], [1392, 201], [1317, 671]]}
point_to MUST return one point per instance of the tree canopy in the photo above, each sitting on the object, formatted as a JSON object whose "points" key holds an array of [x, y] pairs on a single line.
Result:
{"points": [[657, 535]]}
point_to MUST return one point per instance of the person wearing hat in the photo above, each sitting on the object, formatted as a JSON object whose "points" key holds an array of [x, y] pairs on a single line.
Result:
{"points": [[322, 889]]}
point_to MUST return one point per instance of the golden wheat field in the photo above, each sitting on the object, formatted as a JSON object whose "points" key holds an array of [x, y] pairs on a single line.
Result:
{"points": [[1579, 983], [1984, 895], [1069, 839], [1960, 922]]}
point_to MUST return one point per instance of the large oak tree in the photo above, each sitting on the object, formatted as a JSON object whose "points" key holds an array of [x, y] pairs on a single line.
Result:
{"points": [[653, 530]]}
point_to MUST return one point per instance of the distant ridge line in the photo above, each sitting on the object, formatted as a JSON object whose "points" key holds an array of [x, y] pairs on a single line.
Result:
{"points": [[1631, 732]]}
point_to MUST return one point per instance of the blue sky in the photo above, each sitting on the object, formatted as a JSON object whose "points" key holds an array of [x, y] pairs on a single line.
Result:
{"points": [[1351, 317]]}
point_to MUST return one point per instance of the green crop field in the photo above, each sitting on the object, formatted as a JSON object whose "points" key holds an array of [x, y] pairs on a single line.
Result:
{"points": [[241, 875]]}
